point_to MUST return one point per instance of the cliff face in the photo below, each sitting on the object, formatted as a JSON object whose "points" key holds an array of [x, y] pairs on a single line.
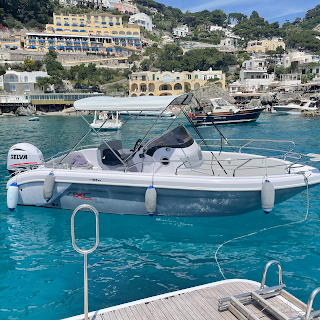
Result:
{"points": [[211, 91]]}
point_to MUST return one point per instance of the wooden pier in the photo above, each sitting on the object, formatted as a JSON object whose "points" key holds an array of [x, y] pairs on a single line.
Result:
{"points": [[202, 303]]}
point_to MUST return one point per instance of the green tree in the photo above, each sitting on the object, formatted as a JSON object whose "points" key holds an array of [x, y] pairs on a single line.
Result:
{"points": [[29, 65]]}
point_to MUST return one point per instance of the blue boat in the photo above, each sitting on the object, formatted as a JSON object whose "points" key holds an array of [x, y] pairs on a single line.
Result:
{"points": [[220, 111]]}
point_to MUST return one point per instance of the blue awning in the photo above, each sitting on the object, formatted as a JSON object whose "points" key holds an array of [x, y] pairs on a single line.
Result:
{"points": [[60, 47], [118, 49], [77, 47], [94, 48], [69, 48], [81, 25], [116, 42], [50, 41], [85, 48], [109, 49], [137, 44], [52, 48], [76, 42], [68, 42], [82, 30], [32, 40], [124, 43], [9, 46], [42, 40], [32, 47], [15, 47], [75, 30], [84, 42]]}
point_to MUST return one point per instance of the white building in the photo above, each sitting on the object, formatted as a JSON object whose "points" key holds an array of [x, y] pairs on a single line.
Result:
{"points": [[142, 20], [300, 57], [68, 2], [217, 28], [255, 77], [230, 42], [109, 4], [21, 82], [181, 31]]}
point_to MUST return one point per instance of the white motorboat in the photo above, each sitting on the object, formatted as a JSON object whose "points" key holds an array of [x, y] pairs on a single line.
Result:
{"points": [[169, 174], [106, 121], [149, 114], [296, 107]]}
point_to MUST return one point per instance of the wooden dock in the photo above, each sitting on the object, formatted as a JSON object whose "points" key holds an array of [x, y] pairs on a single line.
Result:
{"points": [[197, 303]]}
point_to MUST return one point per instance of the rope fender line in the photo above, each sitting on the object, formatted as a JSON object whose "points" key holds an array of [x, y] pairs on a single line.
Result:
{"points": [[265, 229]]}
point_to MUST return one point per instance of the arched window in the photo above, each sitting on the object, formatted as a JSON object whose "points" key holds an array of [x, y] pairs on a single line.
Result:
{"points": [[12, 87], [25, 79], [26, 87], [11, 79], [196, 76], [121, 32], [166, 78], [129, 33], [114, 32], [136, 33]]}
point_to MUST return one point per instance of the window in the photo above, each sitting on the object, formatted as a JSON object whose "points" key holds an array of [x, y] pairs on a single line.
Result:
{"points": [[96, 19], [12, 87], [196, 76], [11, 79], [58, 22], [143, 78], [26, 87], [189, 76], [74, 21], [317, 70], [303, 71], [25, 79], [310, 71]]}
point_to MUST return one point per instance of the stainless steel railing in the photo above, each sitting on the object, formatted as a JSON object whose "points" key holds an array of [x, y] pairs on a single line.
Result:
{"points": [[85, 252]]}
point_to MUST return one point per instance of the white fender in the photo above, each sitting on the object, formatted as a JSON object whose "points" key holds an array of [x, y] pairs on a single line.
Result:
{"points": [[267, 196], [12, 196], [151, 200], [48, 186]]}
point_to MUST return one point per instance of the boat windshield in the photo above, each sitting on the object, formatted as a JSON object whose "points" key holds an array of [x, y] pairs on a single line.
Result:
{"points": [[221, 102], [178, 137]]}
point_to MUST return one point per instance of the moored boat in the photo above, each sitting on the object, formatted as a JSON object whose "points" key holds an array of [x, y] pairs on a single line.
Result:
{"points": [[296, 107], [220, 111], [190, 177], [106, 121]]}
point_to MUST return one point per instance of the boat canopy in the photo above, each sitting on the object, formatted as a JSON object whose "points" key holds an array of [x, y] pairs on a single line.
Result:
{"points": [[144, 103]]}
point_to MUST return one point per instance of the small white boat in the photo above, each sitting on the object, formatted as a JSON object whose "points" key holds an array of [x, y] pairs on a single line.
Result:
{"points": [[168, 174], [149, 114], [296, 107], [33, 118], [106, 121]]}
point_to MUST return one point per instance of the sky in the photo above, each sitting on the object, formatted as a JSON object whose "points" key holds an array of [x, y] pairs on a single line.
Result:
{"points": [[271, 10]]}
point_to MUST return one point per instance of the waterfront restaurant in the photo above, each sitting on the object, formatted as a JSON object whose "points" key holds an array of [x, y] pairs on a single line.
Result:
{"points": [[85, 33]]}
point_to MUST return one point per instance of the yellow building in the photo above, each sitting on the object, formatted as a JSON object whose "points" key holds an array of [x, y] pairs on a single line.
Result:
{"points": [[265, 45], [171, 83], [84, 33], [12, 43]]}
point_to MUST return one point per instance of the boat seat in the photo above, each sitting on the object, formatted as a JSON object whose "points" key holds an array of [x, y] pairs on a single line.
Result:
{"points": [[108, 160], [75, 159]]}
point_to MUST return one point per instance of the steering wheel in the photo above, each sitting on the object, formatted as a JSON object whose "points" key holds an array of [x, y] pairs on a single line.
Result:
{"points": [[136, 145]]}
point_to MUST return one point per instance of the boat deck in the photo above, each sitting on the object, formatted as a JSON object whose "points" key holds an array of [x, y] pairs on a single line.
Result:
{"points": [[195, 303]]}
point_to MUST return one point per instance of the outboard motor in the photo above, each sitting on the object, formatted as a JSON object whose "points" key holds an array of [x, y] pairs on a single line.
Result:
{"points": [[23, 156]]}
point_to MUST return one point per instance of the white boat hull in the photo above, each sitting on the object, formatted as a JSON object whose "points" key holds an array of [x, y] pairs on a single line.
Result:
{"points": [[124, 193]]}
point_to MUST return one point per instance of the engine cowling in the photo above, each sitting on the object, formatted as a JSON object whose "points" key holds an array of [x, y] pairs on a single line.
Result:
{"points": [[23, 156]]}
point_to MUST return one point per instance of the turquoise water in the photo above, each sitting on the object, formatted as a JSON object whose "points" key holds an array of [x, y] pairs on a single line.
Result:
{"points": [[41, 275]]}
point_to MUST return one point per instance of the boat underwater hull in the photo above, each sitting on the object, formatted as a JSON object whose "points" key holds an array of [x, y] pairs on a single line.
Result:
{"points": [[131, 200], [241, 116]]}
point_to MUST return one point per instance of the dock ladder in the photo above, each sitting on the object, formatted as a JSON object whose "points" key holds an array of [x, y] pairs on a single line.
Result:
{"points": [[239, 305]]}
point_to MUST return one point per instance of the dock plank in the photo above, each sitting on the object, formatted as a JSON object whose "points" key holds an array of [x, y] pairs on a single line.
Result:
{"points": [[199, 303]]}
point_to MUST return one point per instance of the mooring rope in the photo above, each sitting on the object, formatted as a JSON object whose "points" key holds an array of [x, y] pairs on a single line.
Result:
{"points": [[265, 229]]}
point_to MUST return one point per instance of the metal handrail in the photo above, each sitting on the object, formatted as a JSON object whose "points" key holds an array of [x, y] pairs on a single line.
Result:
{"points": [[85, 252], [310, 302], [263, 281]]}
